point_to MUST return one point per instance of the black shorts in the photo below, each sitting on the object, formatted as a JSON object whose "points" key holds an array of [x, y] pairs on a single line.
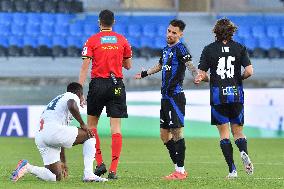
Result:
{"points": [[172, 111], [227, 113], [103, 92]]}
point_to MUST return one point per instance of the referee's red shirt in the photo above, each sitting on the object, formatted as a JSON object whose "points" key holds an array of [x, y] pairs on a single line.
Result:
{"points": [[107, 49]]}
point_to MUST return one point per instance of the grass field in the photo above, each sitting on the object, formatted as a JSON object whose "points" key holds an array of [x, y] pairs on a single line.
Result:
{"points": [[145, 160]]}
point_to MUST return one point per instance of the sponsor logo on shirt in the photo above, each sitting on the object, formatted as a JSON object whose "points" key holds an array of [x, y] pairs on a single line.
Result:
{"points": [[108, 39], [110, 47], [230, 90], [167, 67]]}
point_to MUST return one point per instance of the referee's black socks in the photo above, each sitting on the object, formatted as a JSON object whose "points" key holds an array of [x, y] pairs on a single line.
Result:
{"points": [[172, 150], [227, 150], [242, 144]]}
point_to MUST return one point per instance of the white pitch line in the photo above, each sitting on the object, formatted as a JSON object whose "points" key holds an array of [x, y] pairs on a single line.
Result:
{"points": [[254, 178], [205, 162]]}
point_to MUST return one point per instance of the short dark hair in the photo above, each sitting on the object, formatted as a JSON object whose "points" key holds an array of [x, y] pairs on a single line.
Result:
{"points": [[224, 29], [178, 23], [106, 18], [74, 87]]}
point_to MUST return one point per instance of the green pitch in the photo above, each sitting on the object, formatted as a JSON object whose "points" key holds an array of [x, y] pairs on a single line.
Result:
{"points": [[145, 160]]}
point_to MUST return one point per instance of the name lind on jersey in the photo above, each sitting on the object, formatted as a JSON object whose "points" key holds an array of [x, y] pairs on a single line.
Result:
{"points": [[230, 90], [108, 39], [225, 49]]}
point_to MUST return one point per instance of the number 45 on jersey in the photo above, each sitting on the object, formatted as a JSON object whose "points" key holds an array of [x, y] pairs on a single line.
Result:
{"points": [[225, 67]]}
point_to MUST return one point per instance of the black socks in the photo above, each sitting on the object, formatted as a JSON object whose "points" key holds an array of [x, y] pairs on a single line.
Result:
{"points": [[227, 150], [242, 144], [172, 150], [177, 151], [180, 149]]}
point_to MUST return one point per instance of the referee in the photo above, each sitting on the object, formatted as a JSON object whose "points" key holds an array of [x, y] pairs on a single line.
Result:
{"points": [[173, 63], [108, 52]]}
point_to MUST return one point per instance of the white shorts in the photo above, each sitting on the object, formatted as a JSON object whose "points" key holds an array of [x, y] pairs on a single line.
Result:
{"points": [[50, 140]]}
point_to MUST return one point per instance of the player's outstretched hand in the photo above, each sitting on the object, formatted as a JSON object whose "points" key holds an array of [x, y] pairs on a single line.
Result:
{"points": [[83, 101], [138, 76], [198, 78]]}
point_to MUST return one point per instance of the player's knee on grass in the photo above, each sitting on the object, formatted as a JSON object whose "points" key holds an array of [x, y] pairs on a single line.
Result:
{"points": [[55, 168]]}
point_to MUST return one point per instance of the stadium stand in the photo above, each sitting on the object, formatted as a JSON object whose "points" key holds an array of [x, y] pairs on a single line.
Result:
{"points": [[261, 33], [53, 26], [51, 6], [62, 34]]}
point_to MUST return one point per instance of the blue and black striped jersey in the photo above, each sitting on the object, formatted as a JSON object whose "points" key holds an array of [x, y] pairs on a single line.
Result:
{"points": [[225, 62], [173, 69]]}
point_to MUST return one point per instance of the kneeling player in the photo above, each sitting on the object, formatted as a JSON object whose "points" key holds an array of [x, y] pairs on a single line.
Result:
{"points": [[54, 135]]}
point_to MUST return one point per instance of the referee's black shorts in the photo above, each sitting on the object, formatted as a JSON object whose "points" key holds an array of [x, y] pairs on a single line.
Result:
{"points": [[103, 92]]}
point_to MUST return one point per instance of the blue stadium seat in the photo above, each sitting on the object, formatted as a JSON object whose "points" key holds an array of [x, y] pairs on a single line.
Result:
{"points": [[134, 41], [265, 43], [5, 30], [273, 31], [34, 18], [258, 31], [6, 18], [30, 41], [282, 31], [160, 42], [61, 30], [64, 19], [33, 30], [16, 41], [279, 43], [76, 29], [146, 42], [120, 28], [122, 19], [91, 19], [238, 39], [48, 18], [253, 19], [149, 30], [250, 43], [18, 30], [4, 42], [43, 40], [244, 31], [162, 30], [134, 30], [19, 18], [273, 19], [47, 29], [84, 38], [90, 29], [74, 41], [59, 41]]}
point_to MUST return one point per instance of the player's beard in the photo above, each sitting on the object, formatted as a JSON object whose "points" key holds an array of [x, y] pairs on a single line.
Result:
{"points": [[170, 41]]}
